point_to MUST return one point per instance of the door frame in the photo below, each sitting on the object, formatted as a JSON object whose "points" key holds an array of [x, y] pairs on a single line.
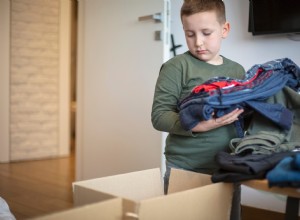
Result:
{"points": [[64, 78], [4, 82], [79, 92]]}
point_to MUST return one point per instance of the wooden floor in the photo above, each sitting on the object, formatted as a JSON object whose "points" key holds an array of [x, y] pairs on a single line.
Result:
{"points": [[36, 188]]}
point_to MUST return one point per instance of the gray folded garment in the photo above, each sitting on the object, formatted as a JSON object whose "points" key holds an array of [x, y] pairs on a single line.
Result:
{"points": [[264, 142]]}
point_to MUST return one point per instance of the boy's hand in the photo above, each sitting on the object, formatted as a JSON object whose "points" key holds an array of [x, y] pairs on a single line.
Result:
{"points": [[218, 122]]}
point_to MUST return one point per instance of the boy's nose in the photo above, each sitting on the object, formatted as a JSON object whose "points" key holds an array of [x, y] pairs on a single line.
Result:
{"points": [[199, 42]]}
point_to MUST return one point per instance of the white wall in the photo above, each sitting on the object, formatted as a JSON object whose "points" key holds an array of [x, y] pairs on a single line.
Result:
{"points": [[118, 63], [248, 50]]}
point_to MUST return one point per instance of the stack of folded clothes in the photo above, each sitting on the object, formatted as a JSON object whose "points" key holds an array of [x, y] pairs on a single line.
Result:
{"points": [[222, 94], [272, 134]]}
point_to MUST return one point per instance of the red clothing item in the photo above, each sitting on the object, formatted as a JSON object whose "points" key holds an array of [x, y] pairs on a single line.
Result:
{"points": [[206, 87]]}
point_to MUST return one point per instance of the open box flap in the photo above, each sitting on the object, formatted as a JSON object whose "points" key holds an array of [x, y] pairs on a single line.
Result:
{"points": [[133, 186], [210, 202]]}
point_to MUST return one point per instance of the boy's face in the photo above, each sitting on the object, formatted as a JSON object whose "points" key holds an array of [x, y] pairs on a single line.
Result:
{"points": [[204, 35]]}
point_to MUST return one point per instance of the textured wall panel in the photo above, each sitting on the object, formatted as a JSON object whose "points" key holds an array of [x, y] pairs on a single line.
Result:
{"points": [[34, 71]]}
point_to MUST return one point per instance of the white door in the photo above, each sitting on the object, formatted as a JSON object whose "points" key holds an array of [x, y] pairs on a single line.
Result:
{"points": [[119, 58]]}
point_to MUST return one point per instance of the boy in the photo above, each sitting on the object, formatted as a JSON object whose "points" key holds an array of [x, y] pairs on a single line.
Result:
{"points": [[204, 24]]}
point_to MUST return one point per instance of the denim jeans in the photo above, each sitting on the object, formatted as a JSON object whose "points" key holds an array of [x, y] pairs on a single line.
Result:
{"points": [[235, 213]]}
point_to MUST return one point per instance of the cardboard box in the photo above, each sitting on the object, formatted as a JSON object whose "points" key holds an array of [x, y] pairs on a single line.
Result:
{"points": [[191, 195], [108, 210]]}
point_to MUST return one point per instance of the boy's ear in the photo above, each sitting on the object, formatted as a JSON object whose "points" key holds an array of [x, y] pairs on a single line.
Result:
{"points": [[226, 29]]}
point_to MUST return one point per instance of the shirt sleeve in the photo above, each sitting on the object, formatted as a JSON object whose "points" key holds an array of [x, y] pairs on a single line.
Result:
{"points": [[165, 116]]}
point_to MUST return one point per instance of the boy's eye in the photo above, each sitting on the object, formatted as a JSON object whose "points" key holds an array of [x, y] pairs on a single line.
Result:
{"points": [[207, 33], [189, 34]]}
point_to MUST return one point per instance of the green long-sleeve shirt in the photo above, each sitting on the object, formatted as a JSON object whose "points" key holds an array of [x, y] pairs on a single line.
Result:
{"points": [[177, 78]]}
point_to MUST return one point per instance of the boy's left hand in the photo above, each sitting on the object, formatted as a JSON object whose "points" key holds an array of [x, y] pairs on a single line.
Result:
{"points": [[218, 122]]}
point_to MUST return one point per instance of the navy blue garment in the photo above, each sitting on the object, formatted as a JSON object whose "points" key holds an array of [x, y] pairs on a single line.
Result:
{"points": [[277, 113], [285, 174], [268, 79]]}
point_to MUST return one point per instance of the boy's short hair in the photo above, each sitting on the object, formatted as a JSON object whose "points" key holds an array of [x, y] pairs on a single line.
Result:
{"points": [[191, 7]]}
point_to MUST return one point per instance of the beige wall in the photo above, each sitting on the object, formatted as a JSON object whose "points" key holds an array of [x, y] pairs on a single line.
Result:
{"points": [[34, 73], [37, 91]]}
